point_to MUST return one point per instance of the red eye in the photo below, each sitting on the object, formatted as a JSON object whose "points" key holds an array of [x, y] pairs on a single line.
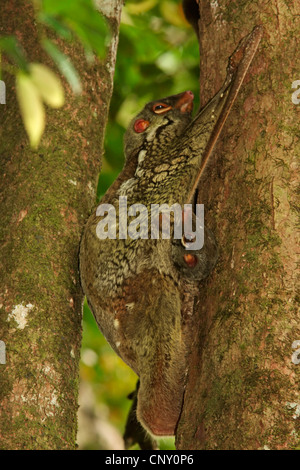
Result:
{"points": [[141, 125], [160, 108], [191, 260]]}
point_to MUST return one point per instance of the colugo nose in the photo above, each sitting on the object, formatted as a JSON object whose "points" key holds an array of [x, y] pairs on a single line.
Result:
{"points": [[185, 102]]}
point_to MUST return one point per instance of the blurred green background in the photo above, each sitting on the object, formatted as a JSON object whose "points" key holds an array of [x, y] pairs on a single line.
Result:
{"points": [[157, 56]]}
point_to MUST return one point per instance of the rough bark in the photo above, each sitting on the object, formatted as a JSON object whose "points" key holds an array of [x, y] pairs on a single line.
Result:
{"points": [[46, 196], [243, 387]]}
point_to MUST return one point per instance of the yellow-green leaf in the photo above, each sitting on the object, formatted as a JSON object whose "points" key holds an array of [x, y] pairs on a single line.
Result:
{"points": [[48, 84], [141, 7], [31, 106], [172, 13]]}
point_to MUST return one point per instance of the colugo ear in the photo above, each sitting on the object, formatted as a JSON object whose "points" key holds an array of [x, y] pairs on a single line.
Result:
{"points": [[141, 125]]}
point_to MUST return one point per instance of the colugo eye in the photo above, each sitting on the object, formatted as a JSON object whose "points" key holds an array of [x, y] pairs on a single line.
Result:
{"points": [[160, 108], [188, 238]]}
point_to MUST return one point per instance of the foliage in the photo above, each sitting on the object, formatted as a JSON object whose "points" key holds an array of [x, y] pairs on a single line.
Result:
{"points": [[37, 84]]}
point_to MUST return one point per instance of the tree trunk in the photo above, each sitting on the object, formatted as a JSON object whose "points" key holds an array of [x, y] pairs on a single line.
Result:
{"points": [[46, 196], [243, 387]]}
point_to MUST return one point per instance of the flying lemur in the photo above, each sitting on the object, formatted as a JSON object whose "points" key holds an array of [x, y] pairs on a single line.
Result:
{"points": [[141, 291]]}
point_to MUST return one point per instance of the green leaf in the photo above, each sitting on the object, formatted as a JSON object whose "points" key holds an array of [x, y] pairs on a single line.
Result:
{"points": [[61, 29], [64, 65], [31, 107], [12, 48], [141, 7], [81, 17], [147, 49]]}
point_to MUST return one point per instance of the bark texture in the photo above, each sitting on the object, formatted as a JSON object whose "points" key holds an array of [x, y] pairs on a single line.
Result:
{"points": [[46, 196], [243, 387]]}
